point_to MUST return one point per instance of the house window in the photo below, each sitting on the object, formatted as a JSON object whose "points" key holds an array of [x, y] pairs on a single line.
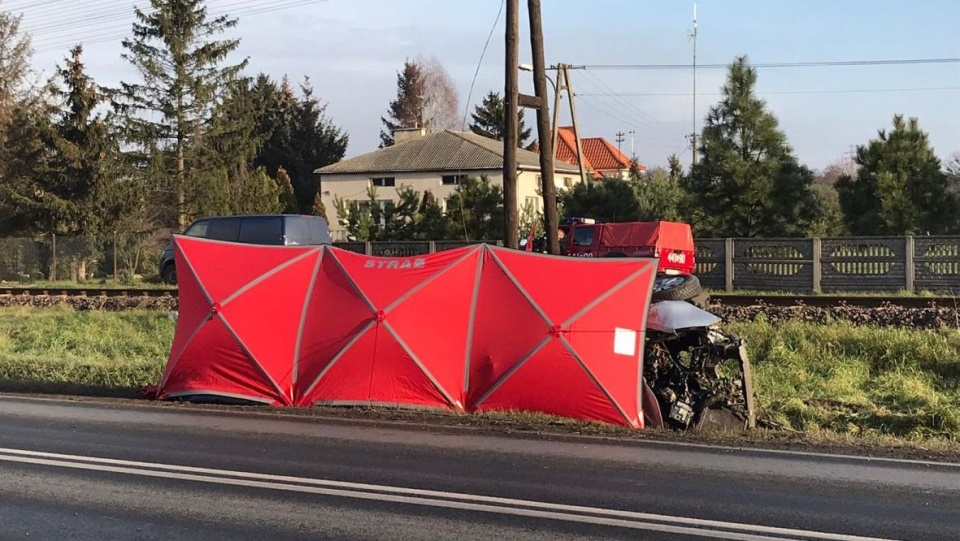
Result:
{"points": [[452, 180], [384, 182], [530, 205], [567, 182]]}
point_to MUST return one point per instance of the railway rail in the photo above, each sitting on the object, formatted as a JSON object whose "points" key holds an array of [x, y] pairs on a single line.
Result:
{"points": [[822, 301]]}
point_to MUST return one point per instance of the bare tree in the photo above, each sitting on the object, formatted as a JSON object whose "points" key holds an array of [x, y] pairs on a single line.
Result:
{"points": [[836, 170], [953, 172], [426, 98], [441, 104]]}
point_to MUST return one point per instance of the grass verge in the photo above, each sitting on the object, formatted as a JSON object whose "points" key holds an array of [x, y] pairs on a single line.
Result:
{"points": [[836, 386], [60, 350]]}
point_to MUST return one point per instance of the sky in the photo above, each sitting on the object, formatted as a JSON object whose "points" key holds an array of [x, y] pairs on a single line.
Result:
{"points": [[352, 49]]}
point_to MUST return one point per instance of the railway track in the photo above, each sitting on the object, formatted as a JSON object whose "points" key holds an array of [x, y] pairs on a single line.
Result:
{"points": [[822, 301], [86, 292], [827, 301]]}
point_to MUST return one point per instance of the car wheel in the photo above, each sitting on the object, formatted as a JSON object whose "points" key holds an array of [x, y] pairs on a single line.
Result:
{"points": [[169, 274], [676, 288]]}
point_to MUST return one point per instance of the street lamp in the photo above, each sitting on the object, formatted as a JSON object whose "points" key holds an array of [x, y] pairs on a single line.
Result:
{"points": [[529, 67]]}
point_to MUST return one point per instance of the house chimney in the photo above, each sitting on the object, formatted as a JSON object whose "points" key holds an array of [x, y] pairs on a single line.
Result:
{"points": [[402, 135]]}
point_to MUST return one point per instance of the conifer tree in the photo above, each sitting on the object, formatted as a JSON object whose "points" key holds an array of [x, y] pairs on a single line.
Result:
{"points": [[748, 182], [899, 187], [183, 73], [488, 120]]}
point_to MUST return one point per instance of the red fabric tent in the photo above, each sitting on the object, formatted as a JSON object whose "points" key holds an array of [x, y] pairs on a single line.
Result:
{"points": [[478, 328]]}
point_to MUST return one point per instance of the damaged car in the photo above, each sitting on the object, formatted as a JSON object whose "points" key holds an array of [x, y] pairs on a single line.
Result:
{"points": [[695, 374]]}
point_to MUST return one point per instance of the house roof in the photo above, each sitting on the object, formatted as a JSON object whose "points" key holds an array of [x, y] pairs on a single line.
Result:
{"points": [[446, 150], [598, 153]]}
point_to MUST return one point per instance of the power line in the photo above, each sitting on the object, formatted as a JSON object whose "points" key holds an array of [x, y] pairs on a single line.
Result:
{"points": [[901, 62], [783, 92], [108, 33]]}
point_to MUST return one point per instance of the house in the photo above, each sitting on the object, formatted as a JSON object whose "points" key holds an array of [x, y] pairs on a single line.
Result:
{"points": [[601, 158], [434, 162]]}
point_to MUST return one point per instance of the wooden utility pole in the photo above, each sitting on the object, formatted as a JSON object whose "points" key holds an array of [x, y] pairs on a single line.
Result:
{"points": [[548, 187], [564, 74], [511, 211]]}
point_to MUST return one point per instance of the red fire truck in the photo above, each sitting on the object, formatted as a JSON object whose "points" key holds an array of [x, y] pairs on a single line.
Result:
{"points": [[669, 242]]}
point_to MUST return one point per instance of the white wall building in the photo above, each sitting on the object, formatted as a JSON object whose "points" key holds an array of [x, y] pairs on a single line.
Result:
{"points": [[429, 162]]}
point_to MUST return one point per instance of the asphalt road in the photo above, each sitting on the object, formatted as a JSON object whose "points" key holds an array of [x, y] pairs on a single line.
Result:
{"points": [[70, 470]]}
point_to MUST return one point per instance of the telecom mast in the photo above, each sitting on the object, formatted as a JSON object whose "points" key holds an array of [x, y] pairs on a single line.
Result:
{"points": [[693, 35]]}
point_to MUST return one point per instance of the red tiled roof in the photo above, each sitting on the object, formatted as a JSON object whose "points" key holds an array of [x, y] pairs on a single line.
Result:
{"points": [[599, 155]]}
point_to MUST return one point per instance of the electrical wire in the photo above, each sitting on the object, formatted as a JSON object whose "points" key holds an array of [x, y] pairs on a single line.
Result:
{"points": [[837, 63], [466, 112], [629, 106], [784, 92], [106, 34]]}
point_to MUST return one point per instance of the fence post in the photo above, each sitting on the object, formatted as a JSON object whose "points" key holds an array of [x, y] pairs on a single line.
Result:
{"points": [[368, 248], [433, 247], [910, 268], [116, 278], [53, 258], [728, 264], [817, 264]]}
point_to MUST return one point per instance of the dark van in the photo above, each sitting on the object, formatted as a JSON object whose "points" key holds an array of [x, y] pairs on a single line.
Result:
{"points": [[272, 229]]}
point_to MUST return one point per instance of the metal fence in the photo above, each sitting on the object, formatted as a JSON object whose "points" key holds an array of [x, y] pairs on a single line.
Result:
{"points": [[831, 265], [813, 265], [54, 258], [403, 248]]}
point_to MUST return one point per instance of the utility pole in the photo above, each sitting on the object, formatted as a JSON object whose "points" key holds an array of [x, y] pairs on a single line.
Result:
{"points": [[563, 83], [620, 139], [511, 214], [548, 186], [693, 138], [632, 152]]}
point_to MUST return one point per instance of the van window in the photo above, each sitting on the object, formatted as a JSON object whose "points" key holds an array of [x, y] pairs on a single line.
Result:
{"points": [[583, 236], [223, 229], [198, 229], [304, 230], [262, 230]]}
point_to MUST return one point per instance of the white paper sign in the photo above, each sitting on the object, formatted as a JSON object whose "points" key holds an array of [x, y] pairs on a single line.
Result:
{"points": [[625, 342]]}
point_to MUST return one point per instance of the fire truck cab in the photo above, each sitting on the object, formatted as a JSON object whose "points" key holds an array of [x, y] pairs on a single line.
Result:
{"points": [[670, 242]]}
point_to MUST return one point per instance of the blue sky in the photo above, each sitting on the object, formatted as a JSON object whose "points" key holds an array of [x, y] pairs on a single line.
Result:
{"points": [[351, 50]]}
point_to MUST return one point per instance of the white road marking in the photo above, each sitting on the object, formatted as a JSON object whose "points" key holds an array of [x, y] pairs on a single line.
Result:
{"points": [[432, 498]]}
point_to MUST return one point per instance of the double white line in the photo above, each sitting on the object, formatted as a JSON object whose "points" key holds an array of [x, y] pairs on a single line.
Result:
{"points": [[430, 498]]}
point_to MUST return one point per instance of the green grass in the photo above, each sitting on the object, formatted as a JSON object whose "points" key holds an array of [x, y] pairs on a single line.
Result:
{"points": [[857, 381], [833, 383], [96, 353]]}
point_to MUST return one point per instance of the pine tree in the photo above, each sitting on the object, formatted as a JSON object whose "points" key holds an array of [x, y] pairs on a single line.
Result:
{"points": [[488, 120], [748, 183], [288, 199], [300, 137], [899, 187], [86, 162], [407, 110], [182, 72], [23, 128], [15, 58]]}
